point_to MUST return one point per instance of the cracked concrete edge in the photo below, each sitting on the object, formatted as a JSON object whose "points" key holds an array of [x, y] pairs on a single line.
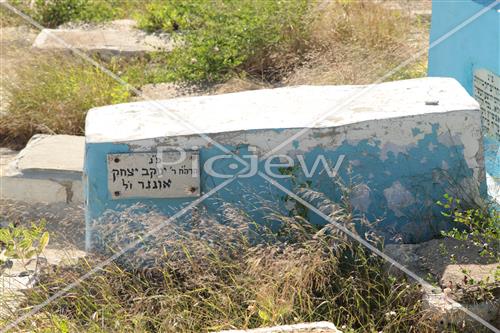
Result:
{"points": [[32, 190], [47, 170]]}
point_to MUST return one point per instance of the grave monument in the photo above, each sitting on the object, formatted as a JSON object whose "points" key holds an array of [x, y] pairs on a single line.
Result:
{"points": [[472, 56], [404, 144]]}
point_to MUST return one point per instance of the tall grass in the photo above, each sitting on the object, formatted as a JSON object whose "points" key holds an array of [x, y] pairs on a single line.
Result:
{"points": [[356, 42], [208, 275], [52, 94]]}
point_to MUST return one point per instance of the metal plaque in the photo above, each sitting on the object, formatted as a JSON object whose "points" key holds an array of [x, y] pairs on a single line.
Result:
{"points": [[487, 94], [169, 174]]}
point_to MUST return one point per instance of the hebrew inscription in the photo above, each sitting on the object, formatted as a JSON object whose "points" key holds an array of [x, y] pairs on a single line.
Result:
{"points": [[487, 94], [151, 175]]}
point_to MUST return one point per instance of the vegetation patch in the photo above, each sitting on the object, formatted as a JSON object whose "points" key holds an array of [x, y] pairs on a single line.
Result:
{"points": [[273, 41], [264, 43], [52, 94], [221, 37], [213, 276], [52, 13]]}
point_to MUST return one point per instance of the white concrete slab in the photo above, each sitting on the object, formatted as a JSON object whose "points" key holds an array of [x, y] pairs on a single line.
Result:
{"points": [[51, 153], [290, 107], [32, 190], [6, 157], [48, 170], [114, 39]]}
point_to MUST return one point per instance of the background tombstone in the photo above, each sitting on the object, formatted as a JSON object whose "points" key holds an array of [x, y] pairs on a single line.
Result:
{"points": [[405, 143], [472, 56], [474, 46]]}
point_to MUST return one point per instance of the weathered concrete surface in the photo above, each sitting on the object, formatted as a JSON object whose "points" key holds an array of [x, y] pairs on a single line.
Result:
{"points": [[47, 170], [454, 265], [118, 38], [51, 154], [281, 108], [406, 142], [318, 327], [32, 190], [6, 157]]}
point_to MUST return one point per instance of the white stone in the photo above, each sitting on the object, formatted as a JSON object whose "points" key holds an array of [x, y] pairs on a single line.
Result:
{"points": [[289, 107], [48, 170], [114, 39], [6, 157], [31, 190], [51, 153]]}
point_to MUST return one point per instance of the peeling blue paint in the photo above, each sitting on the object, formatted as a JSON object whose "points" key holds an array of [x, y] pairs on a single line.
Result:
{"points": [[476, 45], [416, 176]]}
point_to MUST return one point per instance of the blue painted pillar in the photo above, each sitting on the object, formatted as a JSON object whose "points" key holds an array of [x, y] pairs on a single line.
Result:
{"points": [[474, 46]]}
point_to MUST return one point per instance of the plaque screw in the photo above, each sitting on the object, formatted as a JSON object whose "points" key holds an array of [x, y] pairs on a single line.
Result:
{"points": [[117, 160], [192, 189], [117, 193]]}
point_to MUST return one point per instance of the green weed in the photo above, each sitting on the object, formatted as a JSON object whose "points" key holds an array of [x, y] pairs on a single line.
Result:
{"points": [[221, 38], [481, 226]]}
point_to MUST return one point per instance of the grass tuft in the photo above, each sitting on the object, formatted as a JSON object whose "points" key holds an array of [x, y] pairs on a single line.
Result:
{"points": [[52, 94], [210, 275]]}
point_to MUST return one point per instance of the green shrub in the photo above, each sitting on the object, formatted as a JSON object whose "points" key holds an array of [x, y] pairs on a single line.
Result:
{"points": [[51, 13], [23, 242], [481, 226], [52, 94], [219, 38]]}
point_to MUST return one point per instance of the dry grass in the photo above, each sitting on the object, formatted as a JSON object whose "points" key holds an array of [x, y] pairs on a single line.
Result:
{"points": [[357, 42], [52, 94], [204, 275], [8, 19]]}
